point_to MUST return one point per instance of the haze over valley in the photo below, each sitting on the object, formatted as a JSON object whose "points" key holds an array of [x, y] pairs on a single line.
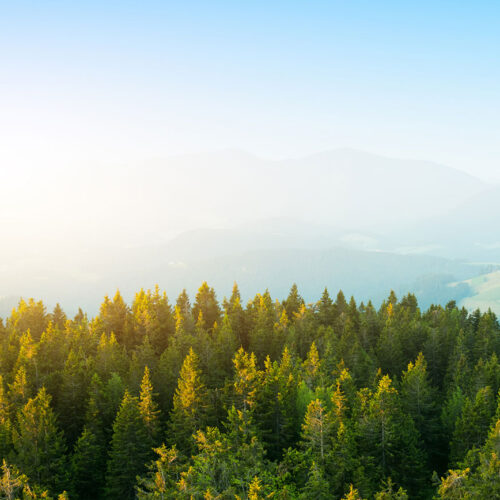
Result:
{"points": [[229, 215]]}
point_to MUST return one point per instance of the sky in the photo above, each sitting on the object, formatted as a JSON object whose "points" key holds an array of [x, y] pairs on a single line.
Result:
{"points": [[90, 84], [112, 114]]}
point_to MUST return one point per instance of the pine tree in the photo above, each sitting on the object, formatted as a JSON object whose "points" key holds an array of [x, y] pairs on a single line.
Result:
{"points": [[184, 321], [276, 406], [326, 309], [114, 318], [418, 400], [316, 431], [129, 450], [190, 400], [389, 442], [237, 317], [312, 367], [39, 445], [30, 316], [12, 482], [149, 409], [5, 422], [390, 493], [161, 481], [73, 395], [472, 427], [246, 380], [110, 357], [317, 485], [353, 494], [153, 317], [58, 317], [87, 466], [206, 303], [225, 344], [293, 303]]}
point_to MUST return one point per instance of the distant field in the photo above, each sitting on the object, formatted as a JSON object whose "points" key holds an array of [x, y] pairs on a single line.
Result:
{"points": [[486, 292]]}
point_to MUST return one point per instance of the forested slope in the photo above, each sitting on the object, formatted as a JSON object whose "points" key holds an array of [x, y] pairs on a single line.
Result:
{"points": [[272, 399]]}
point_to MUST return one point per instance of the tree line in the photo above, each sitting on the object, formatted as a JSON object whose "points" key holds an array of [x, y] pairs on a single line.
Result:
{"points": [[272, 399]]}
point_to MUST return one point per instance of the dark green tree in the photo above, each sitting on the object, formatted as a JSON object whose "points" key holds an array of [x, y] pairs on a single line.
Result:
{"points": [[129, 450]]}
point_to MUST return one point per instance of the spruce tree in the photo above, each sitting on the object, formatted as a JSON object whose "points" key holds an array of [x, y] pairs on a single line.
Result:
{"points": [[129, 450], [149, 410], [472, 426], [5, 422], [87, 466], [316, 432], [276, 406], [39, 445], [206, 304], [418, 400], [190, 405]]}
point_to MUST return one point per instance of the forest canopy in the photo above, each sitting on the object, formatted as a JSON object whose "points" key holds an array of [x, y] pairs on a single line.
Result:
{"points": [[202, 399]]}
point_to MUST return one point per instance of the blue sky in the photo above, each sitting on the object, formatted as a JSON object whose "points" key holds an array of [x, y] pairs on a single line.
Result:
{"points": [[110, 82]]}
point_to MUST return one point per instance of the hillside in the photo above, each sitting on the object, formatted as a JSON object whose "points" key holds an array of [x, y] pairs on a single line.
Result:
{"points": [[484, 292]]}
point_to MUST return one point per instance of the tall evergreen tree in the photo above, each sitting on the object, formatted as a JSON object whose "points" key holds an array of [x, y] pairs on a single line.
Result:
{"points": [[206, 304], [149, 410], [418, 400], [129, 450], [190, 400], [87, 466], [38, 443]]}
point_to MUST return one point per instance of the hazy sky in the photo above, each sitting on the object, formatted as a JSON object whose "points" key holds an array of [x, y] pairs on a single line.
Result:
{"points": [[101, 82]]}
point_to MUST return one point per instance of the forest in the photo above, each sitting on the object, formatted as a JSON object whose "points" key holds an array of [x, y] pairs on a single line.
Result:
{"points": [[201, 399]]}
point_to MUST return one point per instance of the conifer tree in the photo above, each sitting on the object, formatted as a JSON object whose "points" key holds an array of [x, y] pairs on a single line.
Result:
{"points": [[237, 317], [312, 367], [129, 450], [149, 409], [418, 400], [276, 406], [30, 316], [316, 431], [184, 320], [472, 426], [161, 481], [114, 318], [5, 422], [317, 486], [225, 344], [190, 400], [12, 482], [87, 466], [39, 445], [88, 463], [293, 303], [389, 442], [58, 317], [206, 303], [246, 380], [389, 492], [110, 357], [153, 317], [353, 494], [326, 309], [73, 395], [143, 355]]}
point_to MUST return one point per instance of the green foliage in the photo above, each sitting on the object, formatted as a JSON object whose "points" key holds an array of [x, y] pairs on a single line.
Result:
{"points": [[129, 449], [190, 405], [87, 466], [38, 444], [277, 399]]}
